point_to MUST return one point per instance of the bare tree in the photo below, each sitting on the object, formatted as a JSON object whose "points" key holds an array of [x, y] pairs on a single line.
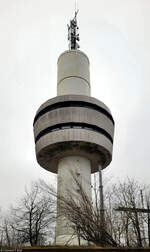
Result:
{"points": [[128, 228], [10, 236], [33, 219], [1, 230], [83, 215]]}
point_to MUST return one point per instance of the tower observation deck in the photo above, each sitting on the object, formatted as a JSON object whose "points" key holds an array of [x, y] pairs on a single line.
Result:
{"points": [[73, 131]]}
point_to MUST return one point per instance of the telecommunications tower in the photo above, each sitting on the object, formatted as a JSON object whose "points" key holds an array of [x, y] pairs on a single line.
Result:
{"points": [[73, 131]]}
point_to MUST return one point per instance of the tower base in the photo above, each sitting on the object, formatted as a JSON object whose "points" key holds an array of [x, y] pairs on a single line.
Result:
{"points": [[70, 240], [69, 169]]}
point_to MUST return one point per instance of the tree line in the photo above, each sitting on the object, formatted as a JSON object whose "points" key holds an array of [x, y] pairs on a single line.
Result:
{"points": [[32, 221]]}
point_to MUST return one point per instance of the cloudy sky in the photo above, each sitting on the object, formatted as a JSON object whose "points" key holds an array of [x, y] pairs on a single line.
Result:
{"points": [[115, 34]]}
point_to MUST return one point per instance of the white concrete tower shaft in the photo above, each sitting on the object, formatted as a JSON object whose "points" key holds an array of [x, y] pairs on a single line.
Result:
{"points": [[73, 77], [80, 167]]}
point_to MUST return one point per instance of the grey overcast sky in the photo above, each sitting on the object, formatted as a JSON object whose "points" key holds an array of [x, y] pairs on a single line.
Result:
{"points": [[115, 34]]}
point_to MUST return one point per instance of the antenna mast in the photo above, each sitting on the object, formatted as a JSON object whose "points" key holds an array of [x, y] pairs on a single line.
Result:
{"points": [[73, 34]]}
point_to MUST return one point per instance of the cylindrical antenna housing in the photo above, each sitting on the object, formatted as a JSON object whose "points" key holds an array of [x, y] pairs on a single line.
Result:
{"points": [[73, 76]]}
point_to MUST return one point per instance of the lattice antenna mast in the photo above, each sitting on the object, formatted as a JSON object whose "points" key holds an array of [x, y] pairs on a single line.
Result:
{"points": [[73, 34]]}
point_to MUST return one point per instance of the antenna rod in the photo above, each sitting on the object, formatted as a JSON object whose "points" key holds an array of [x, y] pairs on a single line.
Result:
{"points": [[75, 6]]}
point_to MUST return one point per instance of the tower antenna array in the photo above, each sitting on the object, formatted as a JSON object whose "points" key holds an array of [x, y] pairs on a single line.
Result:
{"points": [[73, 34]]}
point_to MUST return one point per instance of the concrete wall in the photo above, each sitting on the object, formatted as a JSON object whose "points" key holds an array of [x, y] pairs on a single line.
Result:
{"points": [[74, 114], [73, 97], [73, 73], [62, 142], [69, 168]]}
